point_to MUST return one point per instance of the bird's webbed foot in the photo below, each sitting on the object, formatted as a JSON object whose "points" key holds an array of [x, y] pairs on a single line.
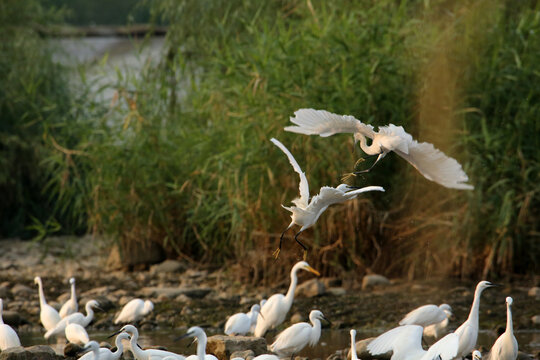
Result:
{"points": [[276, 252]]}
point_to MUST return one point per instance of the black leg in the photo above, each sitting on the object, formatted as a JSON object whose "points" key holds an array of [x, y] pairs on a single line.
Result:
{"points": [[302, 245], [278, 250]]}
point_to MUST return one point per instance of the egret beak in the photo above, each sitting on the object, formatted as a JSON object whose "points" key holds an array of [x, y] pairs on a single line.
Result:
{"points": [[116, 333], [83, 350], [310, 269], [183, 337], [262, 316], [328, 321], [97, 307]]}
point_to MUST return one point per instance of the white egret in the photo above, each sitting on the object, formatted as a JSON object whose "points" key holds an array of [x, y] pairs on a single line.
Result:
{"points": [[134, 311], [71, 305], [405, 342], [107, 354], [439, 329], [468, 331], [294, 338], [354, 355], [94, 347], [76, 334], [8, 336], [426, 315], [48, 315], [476, 355], [240, 323], [305, 212], [278, 305], [200, 335], [254, 319], [148, 354], [75, 318], [266, 357], [506, 346], [432, 163]]}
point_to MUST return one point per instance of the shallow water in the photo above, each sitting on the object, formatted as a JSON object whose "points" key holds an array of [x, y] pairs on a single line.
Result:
{"points": [[330, 342]]}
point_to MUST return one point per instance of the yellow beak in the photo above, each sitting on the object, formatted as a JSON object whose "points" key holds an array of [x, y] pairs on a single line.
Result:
{"points": [[310, 269]]}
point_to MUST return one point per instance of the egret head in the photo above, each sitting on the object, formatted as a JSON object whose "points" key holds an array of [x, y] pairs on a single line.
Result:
{"points": [[476, 355], [193, 331], [91, 304], [90, 346], [148, 306], [263, 301], [484, 285], [302, 265], [256, 308], [317, 315], [509, 301], [130, 329], [72, 281], [123, 336], [37, 280], [353, 333]]}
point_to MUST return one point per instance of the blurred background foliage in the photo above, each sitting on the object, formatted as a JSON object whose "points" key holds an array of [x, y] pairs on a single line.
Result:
{"points": [[180, 159]]}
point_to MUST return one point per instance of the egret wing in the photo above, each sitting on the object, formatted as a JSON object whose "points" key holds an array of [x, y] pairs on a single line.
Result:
{"points": [[424, 316], [324, 123], [293, 337], [304, 186], [436, 166], [444, 349], [130, 311], [329, 196], [400, 340], [393, 137]]}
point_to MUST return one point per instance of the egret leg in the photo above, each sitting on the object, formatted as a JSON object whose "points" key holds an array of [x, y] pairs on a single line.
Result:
{"points": [[276, 252], [381, 155], [300, 243]]}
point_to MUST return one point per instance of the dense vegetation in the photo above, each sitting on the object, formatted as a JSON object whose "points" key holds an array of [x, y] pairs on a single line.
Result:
{"points": [[181, 157]]}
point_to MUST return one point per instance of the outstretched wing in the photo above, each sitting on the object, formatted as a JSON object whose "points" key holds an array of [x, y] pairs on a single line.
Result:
{"points": [[329, 196], [436, 166], [304, 186], [444, 349], [324, 123], [424, 316], [401, 340]]}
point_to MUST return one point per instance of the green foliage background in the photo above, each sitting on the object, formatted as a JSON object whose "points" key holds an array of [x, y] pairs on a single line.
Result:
{"points": [[181, 158]]}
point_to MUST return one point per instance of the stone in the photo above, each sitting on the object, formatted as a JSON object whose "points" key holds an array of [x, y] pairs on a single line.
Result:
{"points": [[22, 290], [38, 352], [310, 288], [136, 255], [168, 266], [72, 350], [245, 354], [536, 319], [173, 292], [534, 292], [374, 280], [337, 291], [223, 346], [13, 318], [296, 318], [4, 291], [332, 282]]}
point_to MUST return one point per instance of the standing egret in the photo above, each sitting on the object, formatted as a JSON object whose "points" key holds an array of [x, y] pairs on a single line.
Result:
{"points": [[254, 319], [94, 347], [8, 336], [305, 212], [468, 331], [148, 354], [76, 334], [405, 342], [426, 315], [439, 329], [294, 338], [134, 311], [48, 315], [506, 346], [432, 163], [240, 323], [107, 354], [354, 355], [75, 318], [71, 305], [278, 305], [200, 335]]}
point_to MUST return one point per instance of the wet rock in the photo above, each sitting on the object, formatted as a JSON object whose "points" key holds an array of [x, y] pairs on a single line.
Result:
{"points": [[534, 292], [22, 290], [374, 280], [331, 282], [72, 350], [172, 292], [135, 256], [168, 266], [246, 354], [536, 319], [337, 291], [4, 291], [310, 288], [13, 318], [38, 352], [223, 346]]}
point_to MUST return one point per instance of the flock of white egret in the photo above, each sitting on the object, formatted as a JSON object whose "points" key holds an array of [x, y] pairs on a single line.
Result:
{"points": [[404, 341]]}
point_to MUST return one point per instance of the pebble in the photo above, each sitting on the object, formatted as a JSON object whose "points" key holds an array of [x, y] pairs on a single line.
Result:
{"points": [[374, 280], [534, 292]]}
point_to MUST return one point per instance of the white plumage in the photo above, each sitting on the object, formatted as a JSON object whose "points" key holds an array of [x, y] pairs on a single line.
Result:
{"points": [[8, 336], [468, 331], [134, 310], [439, 329], [305, 212], [92, 346], [294, 338], [240, 323], [76, 334], [278, 305], [200, 335], [107, 354], [71, 305], [432, 163], [254, 319], [75, 318], [354, 355], [476, 355], [506, 346], [148, 354], [426, 315], [48, 315], [405, 342]]}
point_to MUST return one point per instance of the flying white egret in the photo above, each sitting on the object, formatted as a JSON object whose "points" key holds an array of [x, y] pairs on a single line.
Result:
{"points": [[468, 331], [134, 311], [506, 346], [354, 355], [92, 346], [240, 323], [405, 342], [75, 318], [426, 315], [200, 335], [278, 305], [8, 336], [148, 354], [254, 319], [294, 338], [305, 212], [107, 354], [476, 355], [432, 163], [48, 315], [439, 329], [76, 334], [71, 305]]}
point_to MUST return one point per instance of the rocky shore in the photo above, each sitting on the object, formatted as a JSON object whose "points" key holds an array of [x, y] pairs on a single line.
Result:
{"points": [[185, 295]]}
